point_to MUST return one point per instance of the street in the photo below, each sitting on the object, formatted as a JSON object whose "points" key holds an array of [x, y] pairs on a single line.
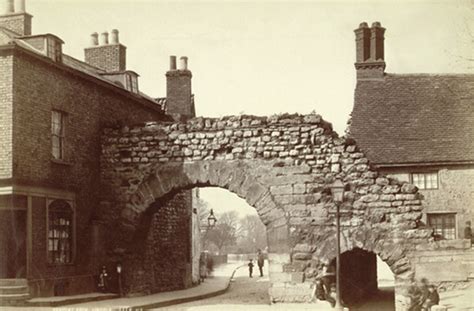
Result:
{"points": [[252, 294]]}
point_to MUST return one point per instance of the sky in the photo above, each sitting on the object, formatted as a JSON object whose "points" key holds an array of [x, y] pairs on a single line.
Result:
{"points": [[266, 57]]}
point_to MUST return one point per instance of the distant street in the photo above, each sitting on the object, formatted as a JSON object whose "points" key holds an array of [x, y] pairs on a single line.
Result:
{"points": [[243, 291]]}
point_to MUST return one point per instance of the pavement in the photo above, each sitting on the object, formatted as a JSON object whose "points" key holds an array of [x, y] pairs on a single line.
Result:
{"points": [[214, 285]]}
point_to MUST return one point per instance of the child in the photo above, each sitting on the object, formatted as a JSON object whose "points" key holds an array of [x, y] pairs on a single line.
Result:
{"points": [[250, 267]]}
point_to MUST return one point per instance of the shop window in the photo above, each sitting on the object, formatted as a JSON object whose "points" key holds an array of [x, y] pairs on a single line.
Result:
{"points": [[57, 134], [444, 225], [425, 180], [60, 232]]}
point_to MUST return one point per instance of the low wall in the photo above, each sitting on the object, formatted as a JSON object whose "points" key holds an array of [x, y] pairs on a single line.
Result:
{"points": [[219, 259], [445, 261]]}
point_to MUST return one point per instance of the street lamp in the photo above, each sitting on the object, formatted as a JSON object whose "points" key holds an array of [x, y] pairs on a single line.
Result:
{"points": [[337, 191], [211, 220]]}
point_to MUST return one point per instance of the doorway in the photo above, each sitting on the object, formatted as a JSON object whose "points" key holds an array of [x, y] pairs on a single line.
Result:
{"points": [[13, 243]]}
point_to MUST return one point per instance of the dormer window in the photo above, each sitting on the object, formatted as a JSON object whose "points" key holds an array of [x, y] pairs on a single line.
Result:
{"points": [[54, 49], [132, 83]]}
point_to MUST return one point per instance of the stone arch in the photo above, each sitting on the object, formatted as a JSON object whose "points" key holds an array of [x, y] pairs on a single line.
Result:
{"points": [[236, 176]]}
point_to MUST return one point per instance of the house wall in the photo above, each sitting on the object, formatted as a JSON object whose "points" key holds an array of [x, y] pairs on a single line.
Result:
{"points": [[6, 114], [38, 87], [455, 193]]}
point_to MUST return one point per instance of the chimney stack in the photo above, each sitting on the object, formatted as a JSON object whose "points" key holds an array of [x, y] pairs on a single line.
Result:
{"points": [[17, 21], [370, 60], [179, 97], [377, 42], [110, 57]]}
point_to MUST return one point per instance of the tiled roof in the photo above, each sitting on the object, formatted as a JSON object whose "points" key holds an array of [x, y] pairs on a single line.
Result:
{"points": [[415, 118]]}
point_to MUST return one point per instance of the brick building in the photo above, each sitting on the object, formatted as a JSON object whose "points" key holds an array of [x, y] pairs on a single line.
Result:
{"points": [[418, 128], [53, 108]]}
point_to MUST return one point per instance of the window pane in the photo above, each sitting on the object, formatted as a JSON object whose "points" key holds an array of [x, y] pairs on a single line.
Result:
{"points": [[59, 235], [432, 180], [419, 180], [444, 225]]}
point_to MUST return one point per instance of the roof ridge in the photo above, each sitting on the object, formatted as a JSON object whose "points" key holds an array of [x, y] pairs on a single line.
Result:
{"points": [[430, 74]]}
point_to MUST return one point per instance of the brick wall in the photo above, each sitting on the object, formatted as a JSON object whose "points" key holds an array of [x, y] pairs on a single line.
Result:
{"points": [[6, 110], [178, 93], [17, 22], [169, 247], [110, 58]]}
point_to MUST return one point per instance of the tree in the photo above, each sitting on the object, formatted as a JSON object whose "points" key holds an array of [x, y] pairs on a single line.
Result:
{"points": [[225, 232], [253, 234]]}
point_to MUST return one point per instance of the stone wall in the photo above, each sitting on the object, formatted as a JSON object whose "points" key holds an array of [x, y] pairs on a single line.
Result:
{"points": [[453, 261], [284, 167], [455, 193]]}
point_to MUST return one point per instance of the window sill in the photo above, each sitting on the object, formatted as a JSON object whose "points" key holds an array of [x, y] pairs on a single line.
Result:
{"points": [[61, 162]]}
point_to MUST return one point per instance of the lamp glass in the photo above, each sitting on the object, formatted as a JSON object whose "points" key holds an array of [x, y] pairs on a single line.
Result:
{"points": [[211, 220], [119, 268], [337, 190]]}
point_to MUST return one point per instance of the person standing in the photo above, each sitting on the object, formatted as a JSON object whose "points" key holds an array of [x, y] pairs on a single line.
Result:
{"points": [[250, 267], [260, 261], [468, 231]]}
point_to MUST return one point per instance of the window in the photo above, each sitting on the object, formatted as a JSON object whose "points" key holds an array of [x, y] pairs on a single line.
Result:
{"points": [[60, 232], [444, 225], [425, 180], [135, 85], [131, 83], [57, 134], [54, 50]]}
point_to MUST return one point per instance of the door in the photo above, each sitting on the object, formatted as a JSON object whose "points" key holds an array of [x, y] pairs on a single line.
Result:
{"points": [[12, 243]]}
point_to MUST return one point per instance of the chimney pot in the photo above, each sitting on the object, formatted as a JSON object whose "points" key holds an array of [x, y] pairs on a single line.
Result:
{"points": [[9, 6], [115, 36], [172, 62], [183, 63], [376, 24], [94, 39], [105, 38], [363, 25], [22, 7]]}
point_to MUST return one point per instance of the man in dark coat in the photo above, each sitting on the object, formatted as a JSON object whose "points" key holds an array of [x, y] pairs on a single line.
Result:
{"points": [[468, 232], [260, 261]]}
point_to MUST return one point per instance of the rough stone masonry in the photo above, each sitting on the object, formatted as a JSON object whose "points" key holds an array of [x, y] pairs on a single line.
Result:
{"points": [[283, 166]]}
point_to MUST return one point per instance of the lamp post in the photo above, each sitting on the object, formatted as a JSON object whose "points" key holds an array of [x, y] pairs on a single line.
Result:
{"points": [[211, 222], [337, 191]]}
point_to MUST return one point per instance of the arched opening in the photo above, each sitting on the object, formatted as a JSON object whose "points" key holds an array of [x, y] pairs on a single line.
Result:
{"points": [[174, 234], [367, 283]]}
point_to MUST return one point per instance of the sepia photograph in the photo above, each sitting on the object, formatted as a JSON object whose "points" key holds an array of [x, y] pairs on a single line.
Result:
{"points": [[194, 155]]}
